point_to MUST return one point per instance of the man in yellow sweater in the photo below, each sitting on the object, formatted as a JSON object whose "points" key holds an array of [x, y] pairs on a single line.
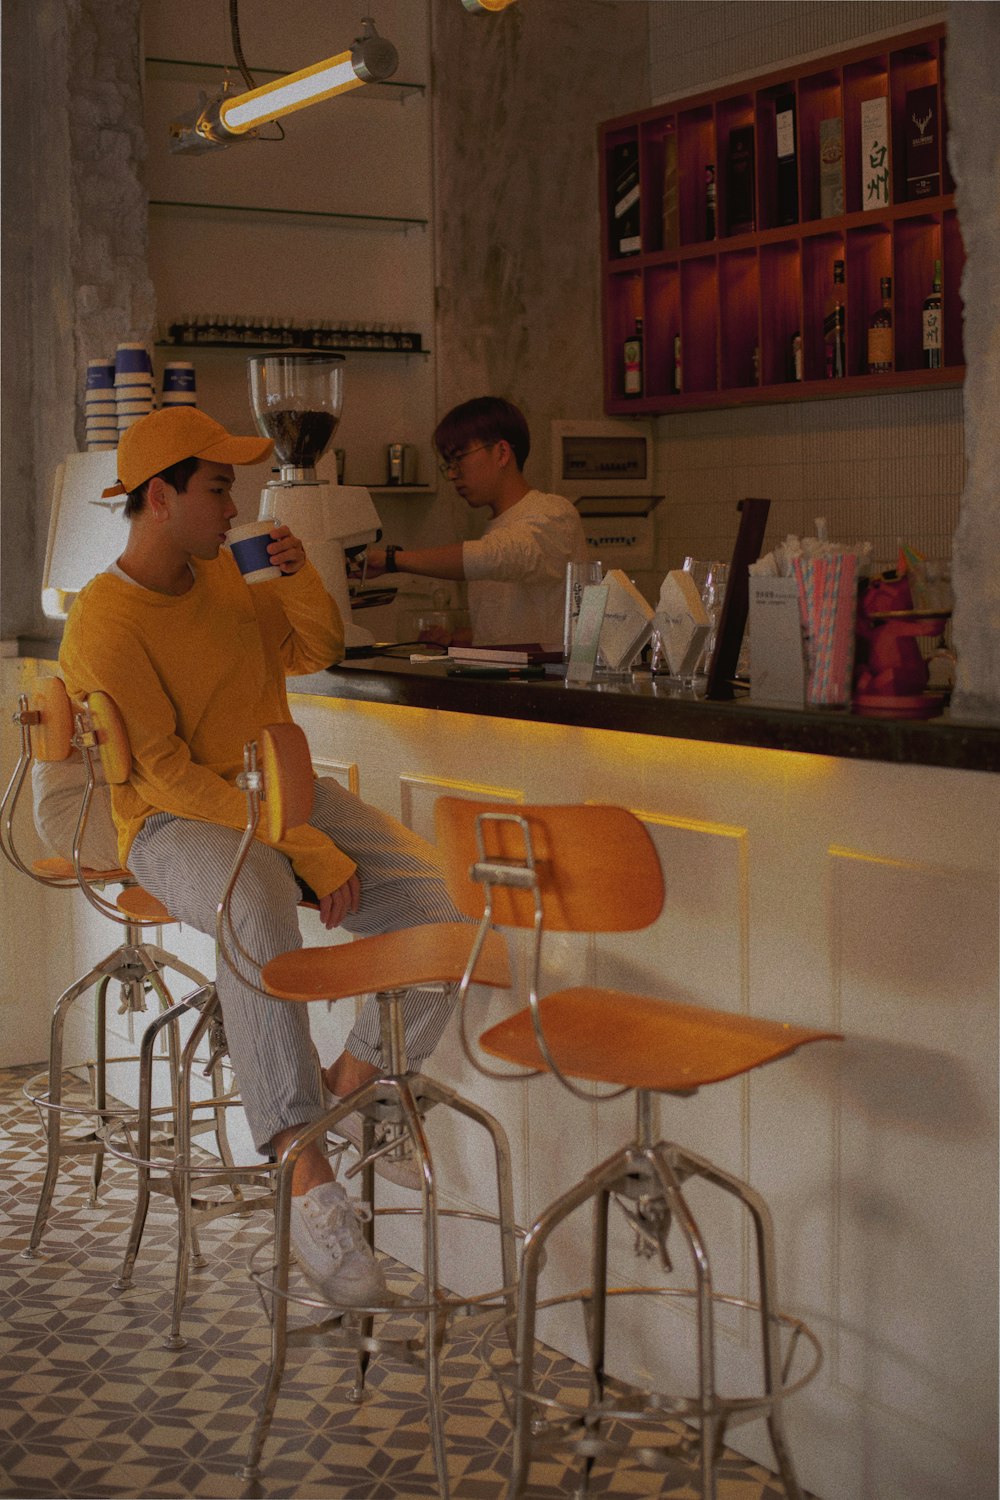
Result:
{"points": [[196, 660]]}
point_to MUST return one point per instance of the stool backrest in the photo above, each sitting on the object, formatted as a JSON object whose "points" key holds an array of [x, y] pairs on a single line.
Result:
{"points": [[596, 868], [112, 738], [52, 731], [288, 778]]}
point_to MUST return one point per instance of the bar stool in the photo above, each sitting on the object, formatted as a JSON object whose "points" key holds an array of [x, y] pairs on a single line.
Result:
{"points": [[45, 717], [159, 1140], [278, 781], [595, 869]]}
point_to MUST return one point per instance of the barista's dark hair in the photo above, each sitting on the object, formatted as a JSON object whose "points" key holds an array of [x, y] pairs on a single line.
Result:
{"points": [[485, 419], [176, 475]]}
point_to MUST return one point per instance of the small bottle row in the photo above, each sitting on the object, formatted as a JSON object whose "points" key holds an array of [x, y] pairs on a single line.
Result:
{"points": [[850, 137], [872, 303], [279, 333]]}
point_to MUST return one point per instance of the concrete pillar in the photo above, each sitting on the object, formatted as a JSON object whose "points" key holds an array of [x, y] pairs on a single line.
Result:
{"points": [[74, 211], [973, 90], [518, 98]]}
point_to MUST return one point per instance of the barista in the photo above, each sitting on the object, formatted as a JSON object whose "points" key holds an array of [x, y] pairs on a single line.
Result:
{"points": [[516, 571]]}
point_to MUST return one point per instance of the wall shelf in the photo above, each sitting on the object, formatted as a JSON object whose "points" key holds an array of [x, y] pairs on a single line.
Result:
{"points": [[725, 288], [385, 221], [275, 348], [180, 70]]}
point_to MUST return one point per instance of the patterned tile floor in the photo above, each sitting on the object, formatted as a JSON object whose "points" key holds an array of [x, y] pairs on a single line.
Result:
{"points": [[94, 1406]]}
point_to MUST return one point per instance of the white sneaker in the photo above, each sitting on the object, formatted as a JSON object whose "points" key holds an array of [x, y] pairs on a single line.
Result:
{"points": [[405, 1173], [332, 1251]]}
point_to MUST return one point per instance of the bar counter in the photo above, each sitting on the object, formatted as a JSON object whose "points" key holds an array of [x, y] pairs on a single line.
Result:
{"points": [[641, 704], [820, 869]]}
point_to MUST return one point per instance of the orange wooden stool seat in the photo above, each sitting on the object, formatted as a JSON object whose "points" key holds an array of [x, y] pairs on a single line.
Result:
{"points": [[139, 904], [594, 869], [659, 1045], [57, 868]]}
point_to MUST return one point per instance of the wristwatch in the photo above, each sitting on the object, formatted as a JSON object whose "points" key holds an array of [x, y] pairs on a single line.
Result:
{"points": [[390, 556]]}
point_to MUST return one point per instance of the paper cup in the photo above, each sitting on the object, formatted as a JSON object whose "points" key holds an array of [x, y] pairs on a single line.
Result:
{"points": [[134, 382], [248, 544], [178, 398], [100, 374], [132, 359], [178, 376]]}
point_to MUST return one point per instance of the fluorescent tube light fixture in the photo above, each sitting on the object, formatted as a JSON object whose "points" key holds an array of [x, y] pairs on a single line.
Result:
{"points": [[232, 117], [480, 7]]}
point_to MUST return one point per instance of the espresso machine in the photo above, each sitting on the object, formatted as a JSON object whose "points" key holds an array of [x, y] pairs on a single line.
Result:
{"points": [[296, 398]]}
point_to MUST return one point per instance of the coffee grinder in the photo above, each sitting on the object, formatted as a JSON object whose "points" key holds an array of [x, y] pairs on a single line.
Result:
{"points": [[296, 397]]}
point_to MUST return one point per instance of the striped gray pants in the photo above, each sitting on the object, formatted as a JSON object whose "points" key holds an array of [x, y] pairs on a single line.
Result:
{"points": [[185, 865]]}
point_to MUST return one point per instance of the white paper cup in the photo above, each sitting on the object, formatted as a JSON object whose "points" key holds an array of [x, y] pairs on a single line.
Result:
{"points": [[141, 381], [178, 398], [248, 544]]}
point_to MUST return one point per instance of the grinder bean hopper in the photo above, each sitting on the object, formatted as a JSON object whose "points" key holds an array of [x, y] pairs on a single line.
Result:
{"points": [[296, 398]]}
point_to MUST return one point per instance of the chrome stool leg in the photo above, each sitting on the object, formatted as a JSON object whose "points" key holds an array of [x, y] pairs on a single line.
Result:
{"points": [[401, 1099], [50, 1102], [657, 1172]]}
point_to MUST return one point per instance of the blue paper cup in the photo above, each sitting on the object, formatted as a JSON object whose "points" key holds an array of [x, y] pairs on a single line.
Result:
{"points": [[249, 544], [100, 374], [132, 359], [178, 375]]}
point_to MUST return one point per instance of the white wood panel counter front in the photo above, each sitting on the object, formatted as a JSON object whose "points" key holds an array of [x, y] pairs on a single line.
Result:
{"points": [[854, 895]]}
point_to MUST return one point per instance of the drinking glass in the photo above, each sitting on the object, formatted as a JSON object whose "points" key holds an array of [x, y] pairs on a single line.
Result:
{"points": [[578, 576], [711, 579]]}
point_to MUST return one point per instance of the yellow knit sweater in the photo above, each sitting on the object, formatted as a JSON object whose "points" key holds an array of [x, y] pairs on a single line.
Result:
{"points": [[194, 677]]}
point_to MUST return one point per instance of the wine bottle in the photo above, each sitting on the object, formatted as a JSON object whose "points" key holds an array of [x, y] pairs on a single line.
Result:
{"points": [[880, 345], [787, 173], [678, 379], [710, 201], [795, 357], [835, 324], [632, 359], [932, 323]]}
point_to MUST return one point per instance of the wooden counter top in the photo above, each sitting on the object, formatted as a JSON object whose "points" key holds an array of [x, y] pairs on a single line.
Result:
{"points": [[642, 705]]}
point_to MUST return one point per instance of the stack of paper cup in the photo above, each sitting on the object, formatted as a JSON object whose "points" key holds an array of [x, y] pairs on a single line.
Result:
{"points": [[179, 384], [101, 410], [133, 384]]}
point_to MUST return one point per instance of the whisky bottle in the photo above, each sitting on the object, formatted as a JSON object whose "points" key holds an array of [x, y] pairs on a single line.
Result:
{"points": [[677, 384], [795, 357], [932, 323], [835, 325], [710, 201], [880, 350], [632, 359]]}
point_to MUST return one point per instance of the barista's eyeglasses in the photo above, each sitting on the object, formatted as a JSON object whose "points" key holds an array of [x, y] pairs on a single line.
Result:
{"points": [[455, 462]]}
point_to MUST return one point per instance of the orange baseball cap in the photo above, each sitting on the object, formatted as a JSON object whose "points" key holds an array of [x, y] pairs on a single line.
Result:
{"points": [[166, 437]]}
